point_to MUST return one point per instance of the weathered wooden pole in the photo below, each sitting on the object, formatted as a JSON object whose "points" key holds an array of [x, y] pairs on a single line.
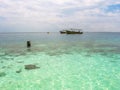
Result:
{"points": [[28, 44]]}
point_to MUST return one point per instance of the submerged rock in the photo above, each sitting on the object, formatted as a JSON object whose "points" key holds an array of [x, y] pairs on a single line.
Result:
{"points": [[2, 74], [4, 67], [31, 66], [1, 62], [18, 71]]}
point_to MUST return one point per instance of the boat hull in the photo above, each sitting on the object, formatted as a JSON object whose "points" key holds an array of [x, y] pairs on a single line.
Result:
{"points": [[73, 32], [62, 32]]}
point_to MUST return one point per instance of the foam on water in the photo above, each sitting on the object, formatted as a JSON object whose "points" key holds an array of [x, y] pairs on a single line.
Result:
{"points": [[64, 64]]}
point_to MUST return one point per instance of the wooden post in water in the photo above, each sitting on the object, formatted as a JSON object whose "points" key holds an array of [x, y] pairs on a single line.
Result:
{"points": [[28, 44]]}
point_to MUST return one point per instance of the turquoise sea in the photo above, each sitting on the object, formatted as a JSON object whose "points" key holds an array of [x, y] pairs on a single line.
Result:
{"points": [[90, 61]]}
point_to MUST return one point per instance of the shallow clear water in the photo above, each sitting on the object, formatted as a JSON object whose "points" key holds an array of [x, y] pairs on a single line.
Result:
{"points": [[90, 61]]}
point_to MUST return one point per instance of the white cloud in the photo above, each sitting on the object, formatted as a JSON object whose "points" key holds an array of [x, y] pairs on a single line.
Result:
{"points": [[50, 13]]}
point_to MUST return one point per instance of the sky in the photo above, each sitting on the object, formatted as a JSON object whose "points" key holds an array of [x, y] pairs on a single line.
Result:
{"points": [[55, 15]]}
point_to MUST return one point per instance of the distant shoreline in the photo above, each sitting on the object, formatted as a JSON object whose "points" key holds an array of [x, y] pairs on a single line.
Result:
{"points": [[51, 32]]}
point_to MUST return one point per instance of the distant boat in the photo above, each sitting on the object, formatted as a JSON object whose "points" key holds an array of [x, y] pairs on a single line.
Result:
{"points": [[71, 31], [48, 32]]}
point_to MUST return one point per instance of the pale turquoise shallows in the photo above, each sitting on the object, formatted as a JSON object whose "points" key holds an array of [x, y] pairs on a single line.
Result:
{"points": [[90, 61]]}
